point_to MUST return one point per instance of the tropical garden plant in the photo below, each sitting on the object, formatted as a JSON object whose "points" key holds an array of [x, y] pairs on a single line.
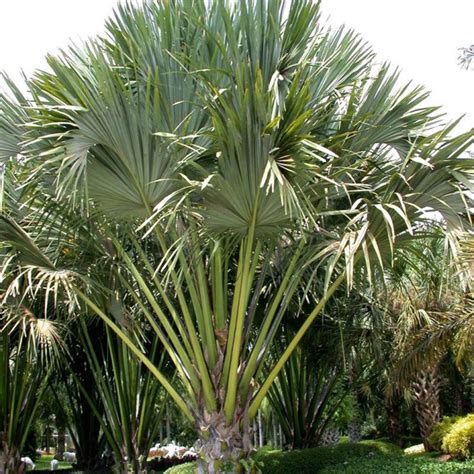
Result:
{"points": [[201, 149], [132, 398], [304, 400], [315, 394], [24, 371], [427, 301], [82, 407]]}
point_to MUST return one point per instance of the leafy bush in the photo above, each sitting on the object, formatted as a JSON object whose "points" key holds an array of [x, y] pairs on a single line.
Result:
{"points": [[188, 468], [441, 430], [459, 441], [346, 412]]}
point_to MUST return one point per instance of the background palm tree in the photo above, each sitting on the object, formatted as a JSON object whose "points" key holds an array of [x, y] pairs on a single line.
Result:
{"points": [[304, 398], [425, 297], [25, 366], [132, 398]]}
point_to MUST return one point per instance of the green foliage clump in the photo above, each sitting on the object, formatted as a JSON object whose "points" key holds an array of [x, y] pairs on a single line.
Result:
{"points": [[459, 441], [381, 446], [346, 412], [187, 468], [441, 430]]}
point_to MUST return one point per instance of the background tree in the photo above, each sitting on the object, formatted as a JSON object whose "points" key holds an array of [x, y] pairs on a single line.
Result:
{"points": [[465, 57], [131, 396], [424, 295]]}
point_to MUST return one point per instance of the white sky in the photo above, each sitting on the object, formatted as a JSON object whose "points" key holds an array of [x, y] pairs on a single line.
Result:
{"points": [[421, 36]]}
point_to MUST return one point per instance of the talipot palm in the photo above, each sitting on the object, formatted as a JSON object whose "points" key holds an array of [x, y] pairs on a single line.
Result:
{"points": [[212, 144]]}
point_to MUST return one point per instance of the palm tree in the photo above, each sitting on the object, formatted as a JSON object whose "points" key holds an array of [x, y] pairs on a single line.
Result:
{"points": [[425, 298], [210, 145], [25, 367], [327, 369], [131, 396], [83, 409], [303, 398]]}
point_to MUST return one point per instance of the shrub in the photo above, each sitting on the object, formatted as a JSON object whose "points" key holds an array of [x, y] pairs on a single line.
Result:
{"points": [[440, 430], [459, 441], [188, 468]]}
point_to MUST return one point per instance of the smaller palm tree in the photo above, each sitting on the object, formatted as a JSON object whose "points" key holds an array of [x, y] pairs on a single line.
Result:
{"points": [[25, 367], [132, 399], [426, 300]]}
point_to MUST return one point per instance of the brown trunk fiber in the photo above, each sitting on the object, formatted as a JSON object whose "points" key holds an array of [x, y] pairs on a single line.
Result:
{"points": [[457, 403], [392, 406], [10, 462], [426, 393], [61, 446]]}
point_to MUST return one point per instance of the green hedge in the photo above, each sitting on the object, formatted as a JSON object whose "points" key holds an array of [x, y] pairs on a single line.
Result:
{"points": [[366, 457], [307, 460]]}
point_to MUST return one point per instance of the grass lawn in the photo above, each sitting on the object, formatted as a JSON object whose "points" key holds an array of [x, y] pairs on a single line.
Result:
{"points": [[366, 457], [44, 464]]}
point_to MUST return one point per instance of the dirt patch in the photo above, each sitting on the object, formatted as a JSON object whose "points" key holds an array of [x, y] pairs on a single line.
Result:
{"points": [[444, 458]]}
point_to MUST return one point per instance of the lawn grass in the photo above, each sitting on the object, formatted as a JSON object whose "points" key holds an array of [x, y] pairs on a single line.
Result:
{"points": [[44, 464], [366, 457]]}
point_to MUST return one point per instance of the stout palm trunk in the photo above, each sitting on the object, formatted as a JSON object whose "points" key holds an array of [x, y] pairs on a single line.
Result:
{"points": [[427, 407]]}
